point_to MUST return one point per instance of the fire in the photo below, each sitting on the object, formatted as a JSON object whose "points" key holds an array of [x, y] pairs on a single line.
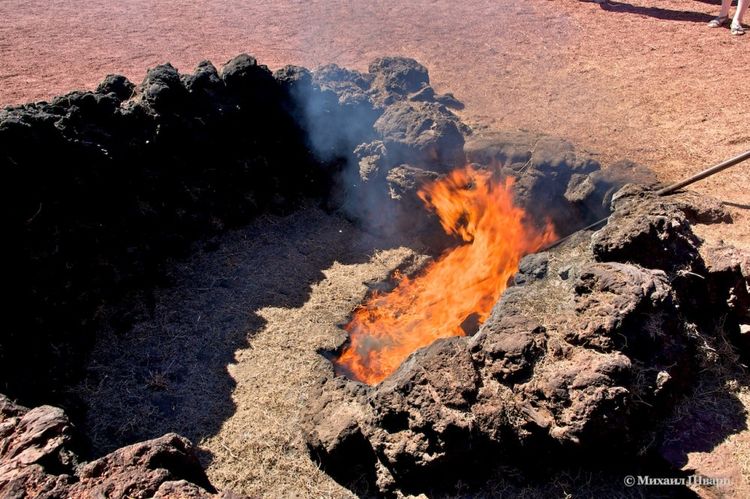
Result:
{"points": [[458, 288]]}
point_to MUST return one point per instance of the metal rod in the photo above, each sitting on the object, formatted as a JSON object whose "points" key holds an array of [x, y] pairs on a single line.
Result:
{"points": [[563, 239], [705, 173], [666, 191]]}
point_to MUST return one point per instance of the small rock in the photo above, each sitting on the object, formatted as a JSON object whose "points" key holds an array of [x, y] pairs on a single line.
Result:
{"points": [[118, 85], [449, 101], [397, 77], [422, 133], [565, 272], [532, 268]]}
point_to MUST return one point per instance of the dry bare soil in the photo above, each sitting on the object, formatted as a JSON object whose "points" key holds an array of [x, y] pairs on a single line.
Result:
{"points": [[645, 81]]}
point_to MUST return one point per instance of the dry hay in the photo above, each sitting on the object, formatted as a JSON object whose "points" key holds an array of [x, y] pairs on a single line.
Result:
{"points": [[259, 449], [226, 353]]}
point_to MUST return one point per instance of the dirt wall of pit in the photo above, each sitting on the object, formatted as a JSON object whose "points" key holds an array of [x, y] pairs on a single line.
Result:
{"points": [[101, 187]]}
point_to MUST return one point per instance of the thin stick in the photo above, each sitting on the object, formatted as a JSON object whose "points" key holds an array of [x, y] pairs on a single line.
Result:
{"points": [[563, 239], [705, 173]]}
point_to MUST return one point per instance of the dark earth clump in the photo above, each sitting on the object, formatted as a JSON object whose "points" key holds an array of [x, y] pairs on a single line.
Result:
{"points": [[101, 187], [38, 458], [590, 348]]}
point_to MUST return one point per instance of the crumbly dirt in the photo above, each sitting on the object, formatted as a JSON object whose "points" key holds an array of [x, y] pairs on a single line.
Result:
{"points": [[634, 80]]}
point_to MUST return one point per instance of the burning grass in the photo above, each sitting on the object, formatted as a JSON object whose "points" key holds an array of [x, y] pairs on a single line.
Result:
{"points": [[457, 290]]}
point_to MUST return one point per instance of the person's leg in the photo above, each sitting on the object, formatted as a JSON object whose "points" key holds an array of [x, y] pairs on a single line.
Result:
{"points": [[725, 4], [723, 15], [740, 13], [736, 28]]}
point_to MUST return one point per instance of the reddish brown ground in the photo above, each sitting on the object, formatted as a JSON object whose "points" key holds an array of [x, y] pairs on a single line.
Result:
{"points": [[643, 80]]}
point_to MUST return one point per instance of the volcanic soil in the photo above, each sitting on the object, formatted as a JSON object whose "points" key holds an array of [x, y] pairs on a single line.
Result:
{"points": [[227, 350]]}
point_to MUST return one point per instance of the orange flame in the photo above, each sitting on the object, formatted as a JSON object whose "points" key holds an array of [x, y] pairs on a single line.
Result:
{"points": [[461, 286]]}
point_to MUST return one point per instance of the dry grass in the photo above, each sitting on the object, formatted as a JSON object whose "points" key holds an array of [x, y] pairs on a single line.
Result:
{"points": [[259, 449], [708, 431], [228, 353]]}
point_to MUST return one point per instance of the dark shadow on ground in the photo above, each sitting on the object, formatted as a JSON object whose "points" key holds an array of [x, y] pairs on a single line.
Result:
{"points": [[578, 481], [656, 12], [711, 412], [168, 372]]}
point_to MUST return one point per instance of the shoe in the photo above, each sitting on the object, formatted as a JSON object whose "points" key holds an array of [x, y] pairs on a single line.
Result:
{"points": [[718, 22], [737, 29]]}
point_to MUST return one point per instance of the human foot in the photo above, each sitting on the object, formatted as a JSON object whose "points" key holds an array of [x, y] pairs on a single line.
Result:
{"points": [[718, 22]]}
